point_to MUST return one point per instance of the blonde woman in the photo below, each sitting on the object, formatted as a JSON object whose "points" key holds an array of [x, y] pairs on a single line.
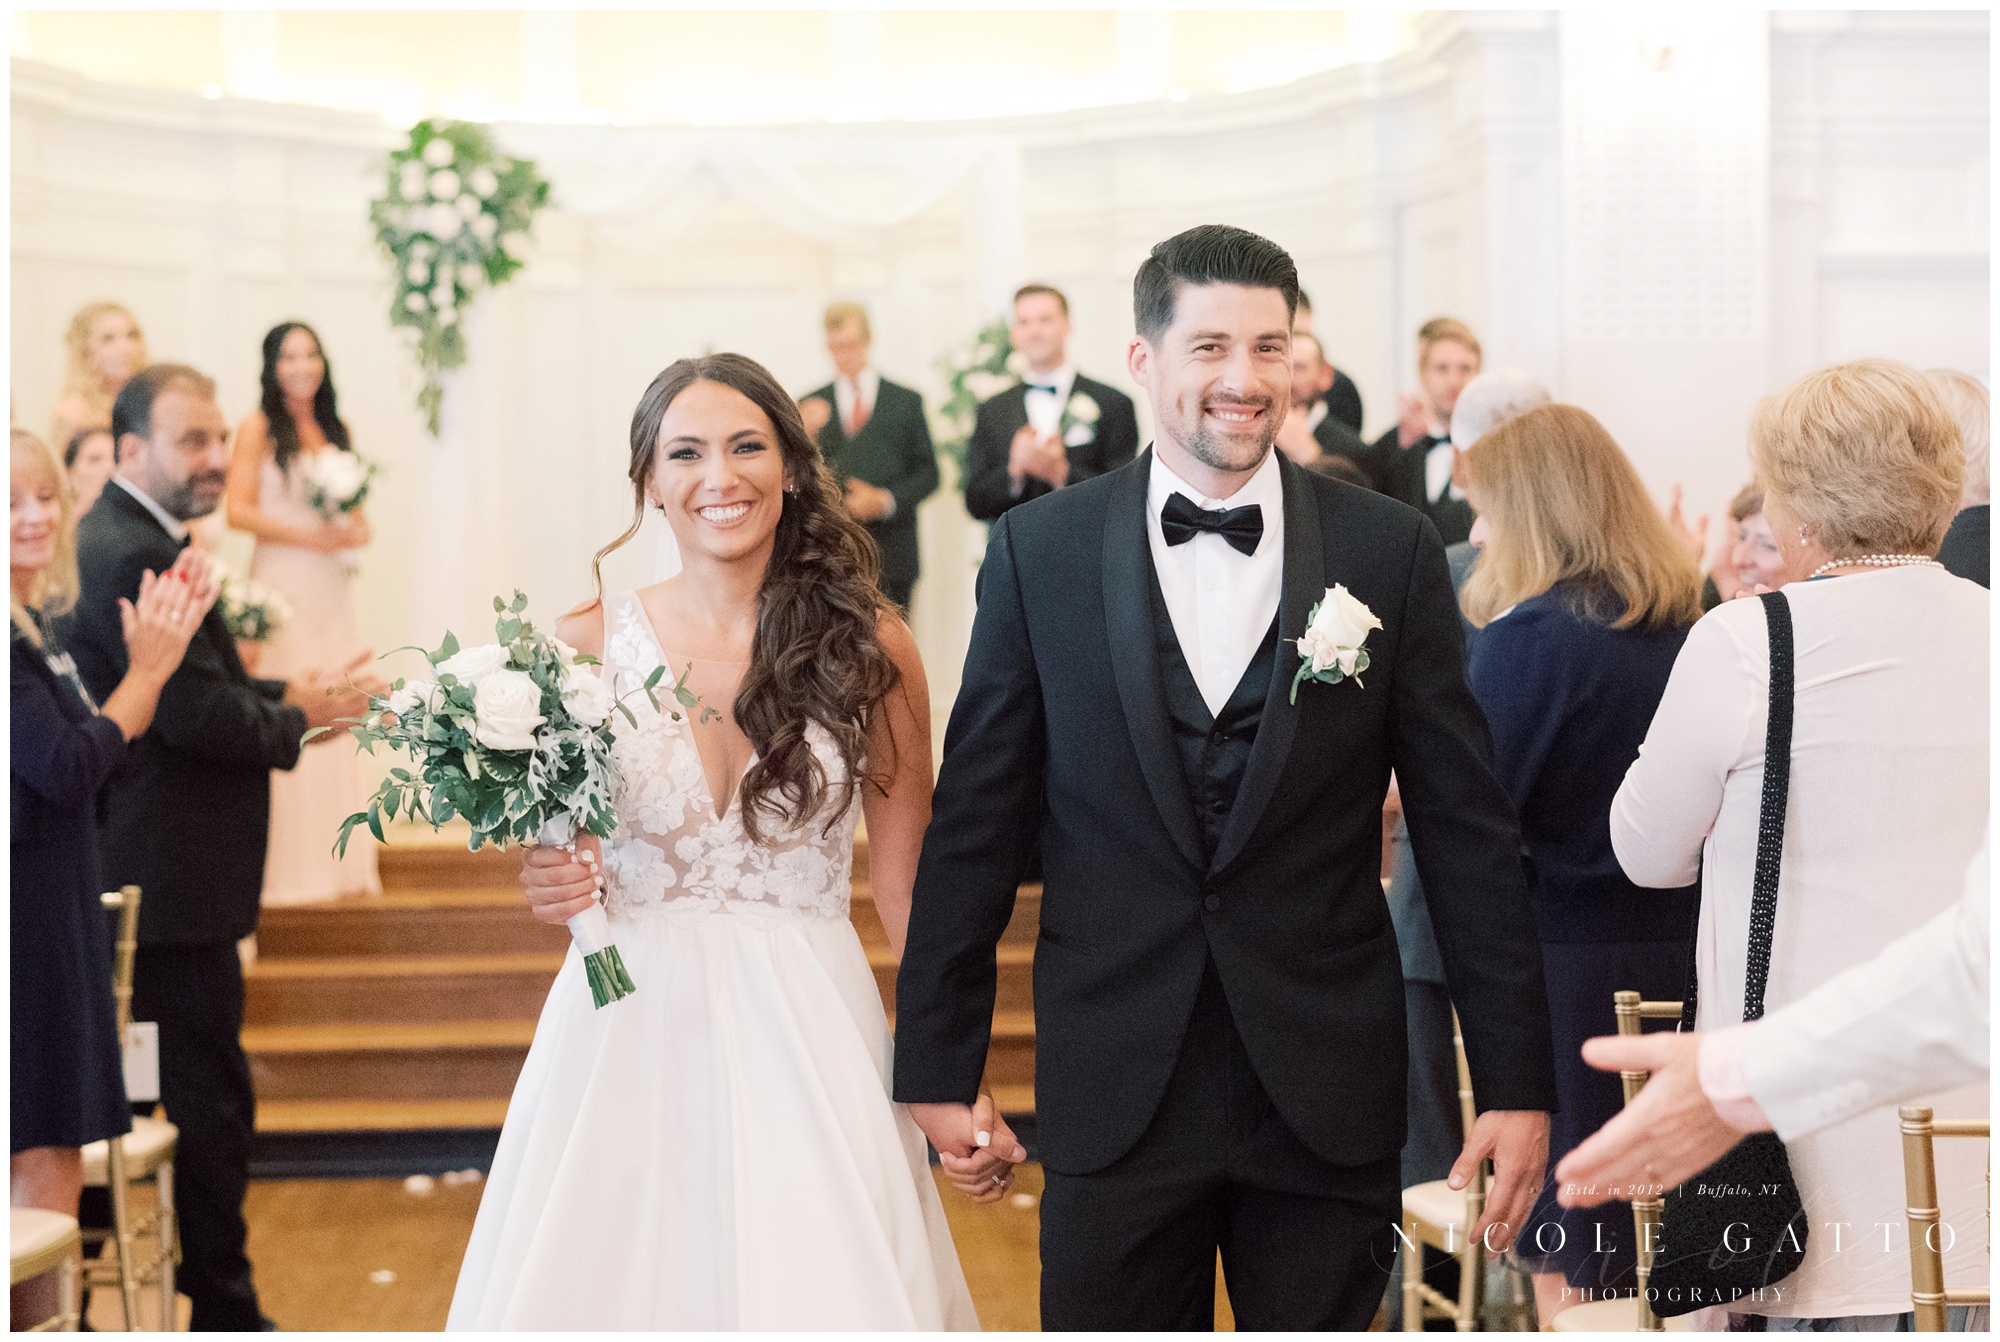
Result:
{"points": [[1862, 468], [1966, 548], [105, 347], [1583, 596], [64, 1071]]}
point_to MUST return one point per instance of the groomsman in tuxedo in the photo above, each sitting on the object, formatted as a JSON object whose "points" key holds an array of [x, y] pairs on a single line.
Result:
{"points": [[1342, 397], [186, 821], [1218, 999], [1413, 461], [1056, 428], [876, 440]]}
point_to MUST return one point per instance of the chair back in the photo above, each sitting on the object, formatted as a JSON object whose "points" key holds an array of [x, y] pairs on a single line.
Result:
{"points": [[1927, 1290], [126, 901], [1632, 1012], [1468, 1114]]}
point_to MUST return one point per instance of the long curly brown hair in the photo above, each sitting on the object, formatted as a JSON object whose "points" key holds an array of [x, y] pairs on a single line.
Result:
{"points": [[817, 654]]}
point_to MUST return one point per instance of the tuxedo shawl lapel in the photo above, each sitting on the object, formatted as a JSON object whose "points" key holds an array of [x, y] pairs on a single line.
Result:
{"points": [[1128, 622], [1304, 582]]}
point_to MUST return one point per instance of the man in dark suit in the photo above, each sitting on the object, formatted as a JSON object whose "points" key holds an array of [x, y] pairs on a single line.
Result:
{"points": [[1341, 397], [1413, 461], [1056, 428], [187, 819], [1310, 432], [1218, 1001], [876, 440]]}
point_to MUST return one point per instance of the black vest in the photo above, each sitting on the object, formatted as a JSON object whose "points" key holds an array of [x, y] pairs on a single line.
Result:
{"points": [[1214, 749]]}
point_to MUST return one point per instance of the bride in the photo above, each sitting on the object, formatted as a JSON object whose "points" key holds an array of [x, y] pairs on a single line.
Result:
{"points": [[719, 1150]]}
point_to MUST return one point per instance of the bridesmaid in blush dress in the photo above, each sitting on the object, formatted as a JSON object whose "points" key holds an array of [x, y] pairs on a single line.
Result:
{"points": [[303, 557]]}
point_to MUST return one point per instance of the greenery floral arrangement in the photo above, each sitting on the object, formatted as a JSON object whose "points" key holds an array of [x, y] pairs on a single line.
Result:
{"points": [[515, 736], [452, 219], [978, 371], [251, 611]]}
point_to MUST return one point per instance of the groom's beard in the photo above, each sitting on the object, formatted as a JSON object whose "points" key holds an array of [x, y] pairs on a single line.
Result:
{"points": [[1233, 452]]}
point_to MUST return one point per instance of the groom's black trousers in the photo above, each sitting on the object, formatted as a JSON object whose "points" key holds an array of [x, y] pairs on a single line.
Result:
{"points": [[1304, 1244]]}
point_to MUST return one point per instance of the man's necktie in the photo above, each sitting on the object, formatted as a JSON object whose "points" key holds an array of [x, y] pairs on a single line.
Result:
{"points": [[1183, 518]]}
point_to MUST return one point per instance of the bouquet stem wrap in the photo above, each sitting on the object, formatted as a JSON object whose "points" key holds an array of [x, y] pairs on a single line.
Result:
{"points": [[591, 930]]}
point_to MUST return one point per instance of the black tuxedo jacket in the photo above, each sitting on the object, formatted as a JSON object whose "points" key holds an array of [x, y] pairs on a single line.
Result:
{"points": [[1343, 401], [893, 451], [1337, 440], [987, 493], [188, 818], [1399, 472], [1060, 742]]}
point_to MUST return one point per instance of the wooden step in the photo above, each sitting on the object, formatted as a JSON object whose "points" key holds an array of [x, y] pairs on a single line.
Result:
{"points": [[378, 1115], [452, 1060], [1022, 928], [440, 920], [430, 866], [328, 989], [1014, 992]]}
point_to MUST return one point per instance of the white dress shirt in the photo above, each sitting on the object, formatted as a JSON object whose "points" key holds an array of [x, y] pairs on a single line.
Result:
{"points": [[1045, 408], [1317, 415], [1887, 807], [1221, 601], [175, 527], [858, 390], [1437, 472]]}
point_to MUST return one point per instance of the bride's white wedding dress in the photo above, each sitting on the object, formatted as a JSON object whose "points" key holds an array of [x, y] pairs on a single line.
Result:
{"points": [[718, 1150]]}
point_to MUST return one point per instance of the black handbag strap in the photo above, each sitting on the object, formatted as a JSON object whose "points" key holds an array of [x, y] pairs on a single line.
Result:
{"points": [[1770, 818]]}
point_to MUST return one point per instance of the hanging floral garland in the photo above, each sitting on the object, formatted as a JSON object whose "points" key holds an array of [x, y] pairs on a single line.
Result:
{"points": [[453, 219]]}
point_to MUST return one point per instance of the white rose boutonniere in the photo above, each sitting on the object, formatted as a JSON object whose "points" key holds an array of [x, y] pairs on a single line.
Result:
{"points": [[1330, 649], [1083, 409]]}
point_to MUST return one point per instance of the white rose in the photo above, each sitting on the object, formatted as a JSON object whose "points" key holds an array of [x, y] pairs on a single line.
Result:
{"points": [[1017, 364], [444, 185], [986, 386], [507, 707], [567, 653], [472, 665], [415, 693], [442, 296], [1083, 410], [1343, 621], [467, 206], [514, 244], [438, 153], [448, 317], [586, 698], [415, 302], [338, 474], [470, 277], [419, 274], [442, 221], [482, 181], [410, 180], [422, 249], [484, 226]]}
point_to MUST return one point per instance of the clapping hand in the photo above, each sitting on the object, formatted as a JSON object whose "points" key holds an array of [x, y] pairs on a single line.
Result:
{"points": [[159, 625], [1517, 1140], [976, 1148], [1693, 539], [1413, 420], [1038, 454], [817, 414], [868, 503]]}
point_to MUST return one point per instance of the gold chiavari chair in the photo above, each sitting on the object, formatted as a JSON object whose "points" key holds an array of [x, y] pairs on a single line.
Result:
{"points": [[39, 1241], [145, 1154], [1927, 1289], [1630, 1313], [1438, 1215]]}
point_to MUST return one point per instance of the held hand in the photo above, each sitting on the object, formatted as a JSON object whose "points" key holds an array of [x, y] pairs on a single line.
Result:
{"points": [[1666, 1136], [560, 883], [1517, 1140], [976, 1149], [160, 624], [355, 533], [867, 502], [1413, 422]]}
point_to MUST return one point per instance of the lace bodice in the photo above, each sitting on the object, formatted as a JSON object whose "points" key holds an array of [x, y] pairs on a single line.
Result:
{"points": [[671, 852]]}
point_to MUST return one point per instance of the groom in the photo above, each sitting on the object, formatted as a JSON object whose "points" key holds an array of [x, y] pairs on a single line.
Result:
{"points": [[1218, 1000]]}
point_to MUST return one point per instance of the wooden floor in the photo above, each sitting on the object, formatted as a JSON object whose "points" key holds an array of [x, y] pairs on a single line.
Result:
{"points": [[365, 1255]]}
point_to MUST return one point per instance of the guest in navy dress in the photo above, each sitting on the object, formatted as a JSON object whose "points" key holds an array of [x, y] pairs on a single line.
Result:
{"points": [[65, 1069], [1583, 598]]}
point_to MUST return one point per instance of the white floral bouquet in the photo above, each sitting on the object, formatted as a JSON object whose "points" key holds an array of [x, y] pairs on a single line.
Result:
{"points": [[453, 220], [516, 737], [251, 611], [337, 481]]}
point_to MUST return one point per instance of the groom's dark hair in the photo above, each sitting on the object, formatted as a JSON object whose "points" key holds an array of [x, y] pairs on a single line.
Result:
{"points": [[1209, 254]]}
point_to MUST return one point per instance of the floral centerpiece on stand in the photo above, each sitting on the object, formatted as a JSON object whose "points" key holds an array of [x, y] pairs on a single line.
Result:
{"points": [[515, 736], [453, 220]]}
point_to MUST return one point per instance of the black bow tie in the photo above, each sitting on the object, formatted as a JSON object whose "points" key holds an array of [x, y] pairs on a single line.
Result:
{"points": [[1048, 387], [1242, 527]]}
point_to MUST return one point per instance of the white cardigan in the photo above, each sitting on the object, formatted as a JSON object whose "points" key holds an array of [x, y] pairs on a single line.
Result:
{"points": [[1888, 805]]}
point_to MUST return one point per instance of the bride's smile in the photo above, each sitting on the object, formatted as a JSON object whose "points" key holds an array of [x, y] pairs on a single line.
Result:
{"points": [[718, 474]]}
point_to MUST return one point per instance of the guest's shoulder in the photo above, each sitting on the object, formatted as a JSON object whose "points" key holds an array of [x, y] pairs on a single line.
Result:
{"points": [[887, 391], [824, 393], [1350, 505], [1103, 393]]}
